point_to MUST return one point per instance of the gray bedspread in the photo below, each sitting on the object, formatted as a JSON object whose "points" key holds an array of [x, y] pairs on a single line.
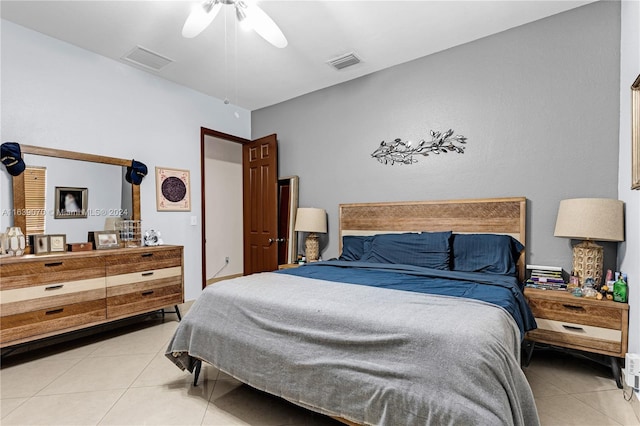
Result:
{"points": [[369, 355]]}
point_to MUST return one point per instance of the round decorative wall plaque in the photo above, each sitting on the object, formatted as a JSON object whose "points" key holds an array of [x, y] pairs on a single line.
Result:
{"points": [[172, 190]]}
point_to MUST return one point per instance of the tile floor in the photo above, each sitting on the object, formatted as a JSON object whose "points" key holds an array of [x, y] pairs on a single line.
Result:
{"points": [[121, 377]]}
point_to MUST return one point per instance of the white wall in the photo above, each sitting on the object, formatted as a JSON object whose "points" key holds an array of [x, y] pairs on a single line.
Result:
{"points": [[57, 95], [629, 254]]}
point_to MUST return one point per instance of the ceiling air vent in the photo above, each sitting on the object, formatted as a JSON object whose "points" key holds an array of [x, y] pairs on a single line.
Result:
{"points": [[344, 61], [146, 58]]}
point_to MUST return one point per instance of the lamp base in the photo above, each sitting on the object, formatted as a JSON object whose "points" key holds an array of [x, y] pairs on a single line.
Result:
{"points": [[312, 247], [587, 261]]}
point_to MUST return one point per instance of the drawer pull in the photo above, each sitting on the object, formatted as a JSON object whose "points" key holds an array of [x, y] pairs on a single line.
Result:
{"points": [[572, 328], [147, 274], [54, 287], [147, 293], [49, 265], [147, 254], [574, 307], [54, 311]]}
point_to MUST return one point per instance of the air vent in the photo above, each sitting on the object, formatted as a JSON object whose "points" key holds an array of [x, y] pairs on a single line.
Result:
{"points": [[146, 58], [344, 61]]}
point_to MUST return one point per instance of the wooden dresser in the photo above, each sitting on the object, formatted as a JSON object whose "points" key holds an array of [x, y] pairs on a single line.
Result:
{"points": [[42, 296]]}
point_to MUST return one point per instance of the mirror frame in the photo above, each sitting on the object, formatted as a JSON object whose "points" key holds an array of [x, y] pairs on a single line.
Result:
{"points": [[18, 181], [635, 134]]}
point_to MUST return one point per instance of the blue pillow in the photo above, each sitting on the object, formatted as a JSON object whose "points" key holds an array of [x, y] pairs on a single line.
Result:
{"points": [[354, 247], [497, 254], [426, 249]]}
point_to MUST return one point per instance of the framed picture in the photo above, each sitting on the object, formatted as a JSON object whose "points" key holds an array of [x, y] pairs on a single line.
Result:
{"points": [[106, 239], [71, 203], [635, 134], [40, 244], [57, 243], [173, 190]]}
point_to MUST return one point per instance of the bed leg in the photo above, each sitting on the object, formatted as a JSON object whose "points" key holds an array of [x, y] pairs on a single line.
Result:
{"points": [[196, 372], [528, 351], [615, 369], [178, 313]]}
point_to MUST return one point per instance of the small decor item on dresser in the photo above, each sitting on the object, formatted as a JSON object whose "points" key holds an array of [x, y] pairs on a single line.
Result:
{"points": [[106, 240], [172, 190], [152, 238], [58, 243], [130, 232], [39, 244], [4, 243], [80, 246], [16, 241]]}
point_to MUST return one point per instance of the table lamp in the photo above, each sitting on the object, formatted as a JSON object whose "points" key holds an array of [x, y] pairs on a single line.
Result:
{"points": [[311, 220], [590, 219]]}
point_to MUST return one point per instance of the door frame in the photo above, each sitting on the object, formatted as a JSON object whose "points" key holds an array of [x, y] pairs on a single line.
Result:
{"points": [[204, 132]]}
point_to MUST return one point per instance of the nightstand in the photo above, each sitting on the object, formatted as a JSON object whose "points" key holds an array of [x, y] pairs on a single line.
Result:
{"points": [[288, 265], [588, 325]]}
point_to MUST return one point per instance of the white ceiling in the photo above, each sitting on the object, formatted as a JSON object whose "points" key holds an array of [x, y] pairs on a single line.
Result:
{"points": [[253, 74]]}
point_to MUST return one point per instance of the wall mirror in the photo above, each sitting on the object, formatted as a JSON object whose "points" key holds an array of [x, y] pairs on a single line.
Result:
{"points": [[101, 178], [635, 134]]}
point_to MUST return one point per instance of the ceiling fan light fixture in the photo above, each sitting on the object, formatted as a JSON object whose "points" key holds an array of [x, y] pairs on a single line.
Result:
{"points": [[261, 23], [247, 13], [200, 17]]}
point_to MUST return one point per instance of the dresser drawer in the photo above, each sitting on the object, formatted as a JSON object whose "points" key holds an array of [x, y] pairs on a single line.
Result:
{"points": [[34, 323], [54, 270], [143, 291], [595, 315], [34, 298], [143, 260]]}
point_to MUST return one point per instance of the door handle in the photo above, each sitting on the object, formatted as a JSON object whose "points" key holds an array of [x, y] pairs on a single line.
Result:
{"points": [[276, 240]]}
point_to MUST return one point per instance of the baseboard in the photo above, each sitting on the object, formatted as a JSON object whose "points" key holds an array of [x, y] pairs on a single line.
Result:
{"points": [[218, 279]]}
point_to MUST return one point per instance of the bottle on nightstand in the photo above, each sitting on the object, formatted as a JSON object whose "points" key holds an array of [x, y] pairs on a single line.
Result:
{"points": [[620, 289]]}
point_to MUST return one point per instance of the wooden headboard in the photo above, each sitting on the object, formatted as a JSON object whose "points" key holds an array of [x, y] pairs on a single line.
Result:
{"points": [[484, 215]]}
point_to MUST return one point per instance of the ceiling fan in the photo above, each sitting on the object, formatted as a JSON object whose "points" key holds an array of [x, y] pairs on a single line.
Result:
{"points": [[248, 14]]}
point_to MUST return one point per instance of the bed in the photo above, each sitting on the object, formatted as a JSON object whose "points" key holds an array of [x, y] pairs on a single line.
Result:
{"points": [[419, 321]]}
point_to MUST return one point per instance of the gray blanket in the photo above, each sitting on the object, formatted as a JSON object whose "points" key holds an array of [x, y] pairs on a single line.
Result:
{"points": [[369, 355]]}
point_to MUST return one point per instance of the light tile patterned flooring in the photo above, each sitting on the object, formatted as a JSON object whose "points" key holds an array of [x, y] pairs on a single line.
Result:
{"points": [[121, 377]]}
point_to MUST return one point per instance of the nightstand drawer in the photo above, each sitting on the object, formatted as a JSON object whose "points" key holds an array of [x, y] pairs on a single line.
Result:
{"points": [[577, 336], [577, 312]]}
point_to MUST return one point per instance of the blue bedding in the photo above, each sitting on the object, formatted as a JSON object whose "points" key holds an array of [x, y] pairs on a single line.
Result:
{"points": [[499, 290]]}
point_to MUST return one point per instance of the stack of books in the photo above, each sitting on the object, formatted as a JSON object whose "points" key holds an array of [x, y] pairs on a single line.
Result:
{"points": [[547, 277]]}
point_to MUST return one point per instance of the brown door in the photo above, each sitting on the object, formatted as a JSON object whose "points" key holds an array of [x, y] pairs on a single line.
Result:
{"points": [[260, 204]]}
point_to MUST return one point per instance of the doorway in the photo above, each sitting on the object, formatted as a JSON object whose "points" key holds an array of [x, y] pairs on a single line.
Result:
{"points": [[222, 215]]}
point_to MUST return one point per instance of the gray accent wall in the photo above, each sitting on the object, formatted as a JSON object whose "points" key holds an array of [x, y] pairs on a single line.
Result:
{"points": [[539, 105]]}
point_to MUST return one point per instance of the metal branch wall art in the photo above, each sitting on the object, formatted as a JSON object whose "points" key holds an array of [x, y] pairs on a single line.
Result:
{"points": [[403, 152]]}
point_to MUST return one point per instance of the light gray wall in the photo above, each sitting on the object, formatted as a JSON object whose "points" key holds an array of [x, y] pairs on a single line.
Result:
{"points": [[539, 105]]}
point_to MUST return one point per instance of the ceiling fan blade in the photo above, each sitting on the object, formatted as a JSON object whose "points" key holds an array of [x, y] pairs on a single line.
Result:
{"points": [[200, 17], [260, 22]]}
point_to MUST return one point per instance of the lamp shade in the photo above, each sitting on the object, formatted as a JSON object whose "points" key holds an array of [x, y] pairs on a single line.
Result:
{"points": [[596, 219], [310, 219]]}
